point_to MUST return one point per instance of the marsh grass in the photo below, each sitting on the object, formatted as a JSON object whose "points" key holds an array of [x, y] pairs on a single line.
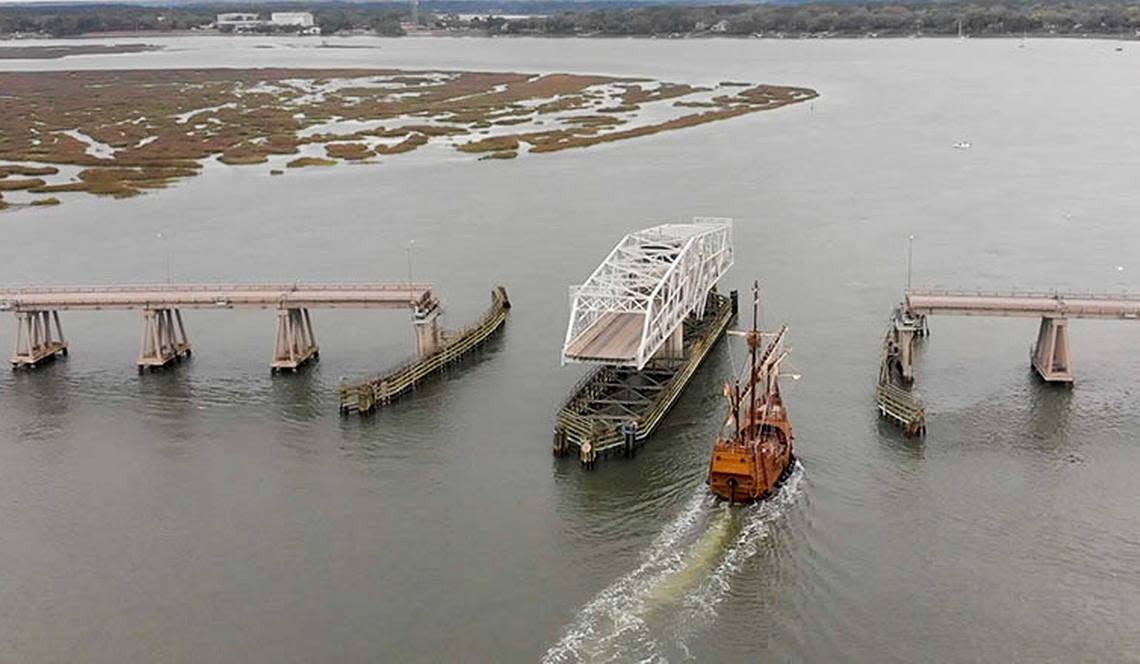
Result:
{"points": [[303, 162], [349, 151], [157, 126]]}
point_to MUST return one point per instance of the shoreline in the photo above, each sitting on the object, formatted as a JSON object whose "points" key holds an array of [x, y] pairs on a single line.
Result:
{"points": [[480, 34]]}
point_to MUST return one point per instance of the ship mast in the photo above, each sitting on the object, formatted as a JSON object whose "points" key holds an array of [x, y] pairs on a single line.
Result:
{"points": [[753, 342]]}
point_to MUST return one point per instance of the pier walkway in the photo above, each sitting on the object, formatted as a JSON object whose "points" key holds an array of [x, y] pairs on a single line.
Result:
{"points": [[39, 335]]}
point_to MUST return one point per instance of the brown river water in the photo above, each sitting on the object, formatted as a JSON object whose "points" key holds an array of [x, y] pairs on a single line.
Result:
{"points": [[213, 513]]}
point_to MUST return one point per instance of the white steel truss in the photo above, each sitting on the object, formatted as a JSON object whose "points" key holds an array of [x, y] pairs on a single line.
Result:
{"points": [[660, 274]]}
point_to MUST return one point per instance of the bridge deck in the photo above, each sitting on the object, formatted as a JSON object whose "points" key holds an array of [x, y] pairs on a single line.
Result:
{"points": [[613, 338], [639, 296], [218, 296], [1033, 305]]}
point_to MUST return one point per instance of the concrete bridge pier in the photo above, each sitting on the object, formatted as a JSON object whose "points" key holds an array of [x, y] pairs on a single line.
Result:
{"points": [[296, 344], [35, 341], [1052, 356], [904, 343], [906, 327], [429, 336], [163, 339], [674, 346]]}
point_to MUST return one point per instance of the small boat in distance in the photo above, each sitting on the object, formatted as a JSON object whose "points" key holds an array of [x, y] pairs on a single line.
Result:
{"points": [[962, 145], [753, 453]]}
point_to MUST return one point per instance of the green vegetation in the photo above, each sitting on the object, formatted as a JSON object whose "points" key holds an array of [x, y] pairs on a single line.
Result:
{"points": [[158, 126], [1049, 17], [239, 157], [504, 154], [302, 162], [843, 19], [410, 143], [17, 185], [30, 171], [493, 144], [349, 151]]}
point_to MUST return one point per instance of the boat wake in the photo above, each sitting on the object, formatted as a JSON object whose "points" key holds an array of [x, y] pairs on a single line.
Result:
{"points": [[673, 594]]}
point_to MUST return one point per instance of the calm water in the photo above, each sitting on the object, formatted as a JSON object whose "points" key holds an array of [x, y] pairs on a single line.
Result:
{"points": [[214, 513]]}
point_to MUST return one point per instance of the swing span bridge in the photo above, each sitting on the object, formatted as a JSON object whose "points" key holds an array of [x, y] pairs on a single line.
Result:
{"points": [[646, 318]]}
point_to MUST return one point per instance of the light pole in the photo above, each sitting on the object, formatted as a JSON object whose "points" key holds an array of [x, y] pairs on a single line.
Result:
{"points": [[909, 257], [166, 254], [410, 249]]}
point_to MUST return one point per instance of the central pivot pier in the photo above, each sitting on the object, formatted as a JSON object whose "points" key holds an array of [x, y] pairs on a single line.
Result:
{"points": [[647, 316]]}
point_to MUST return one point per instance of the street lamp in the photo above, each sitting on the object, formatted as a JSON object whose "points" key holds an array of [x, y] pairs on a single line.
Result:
{"points": [[411, 247], [909, 257], [166, 254]]}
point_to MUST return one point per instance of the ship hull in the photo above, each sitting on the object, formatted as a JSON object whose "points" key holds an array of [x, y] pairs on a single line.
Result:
{"points": [[742, 476]]}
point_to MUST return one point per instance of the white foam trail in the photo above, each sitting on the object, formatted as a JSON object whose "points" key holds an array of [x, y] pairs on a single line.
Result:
{"points": [[616, 610], [613, 627], [699, 607]]}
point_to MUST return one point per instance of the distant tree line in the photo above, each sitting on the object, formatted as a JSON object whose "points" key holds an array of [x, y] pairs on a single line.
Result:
{"points": [[71, 20], [846, 19], [617, 18]]}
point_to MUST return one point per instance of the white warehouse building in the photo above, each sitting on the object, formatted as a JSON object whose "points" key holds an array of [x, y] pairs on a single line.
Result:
{"points": [[238, 20], [299, 19]]}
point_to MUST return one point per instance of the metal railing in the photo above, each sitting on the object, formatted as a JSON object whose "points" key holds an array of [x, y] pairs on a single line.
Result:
{"points": [[1028, 294], [6, 291]]}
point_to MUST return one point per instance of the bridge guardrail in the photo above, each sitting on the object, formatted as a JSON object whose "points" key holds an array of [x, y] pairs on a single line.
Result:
{"points": [[1045, 295], [206, 288]]}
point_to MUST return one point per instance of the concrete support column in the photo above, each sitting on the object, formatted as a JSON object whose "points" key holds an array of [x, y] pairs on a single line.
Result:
{"points": [[429, 336], [1052, 355], [295, 343], [35, 340], [163, 338], [904, 341], [674, 346]]}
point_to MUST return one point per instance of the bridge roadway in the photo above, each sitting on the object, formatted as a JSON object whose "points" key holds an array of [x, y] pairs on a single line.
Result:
{"points": [[1026, 304], [1051, 356], [218, 296], [634, 305], [39, 336], [613, 339]]}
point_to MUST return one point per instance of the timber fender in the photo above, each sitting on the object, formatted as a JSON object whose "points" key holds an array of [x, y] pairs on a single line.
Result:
{"points": [[365, 397]]}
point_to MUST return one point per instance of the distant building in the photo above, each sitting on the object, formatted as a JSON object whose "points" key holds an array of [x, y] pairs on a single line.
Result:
{"points": [[298, 19], [238, 20]]}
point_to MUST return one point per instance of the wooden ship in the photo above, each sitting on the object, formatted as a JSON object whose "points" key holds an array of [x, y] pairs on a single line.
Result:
{"points": [[753, 454]]}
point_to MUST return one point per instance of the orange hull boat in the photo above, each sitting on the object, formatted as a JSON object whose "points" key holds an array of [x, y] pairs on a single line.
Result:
{"points": [[754, 453], [749, 466]]}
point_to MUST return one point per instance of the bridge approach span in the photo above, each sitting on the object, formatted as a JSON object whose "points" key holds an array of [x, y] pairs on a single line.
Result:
{"points": [[219, 296], [1050, 356], [1024, 304], [39, 335]]}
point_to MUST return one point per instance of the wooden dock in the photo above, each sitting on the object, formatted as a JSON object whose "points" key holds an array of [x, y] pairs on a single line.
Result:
{"points": [[895, 403], [614, 408], [902, 408], [366, 396]]}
